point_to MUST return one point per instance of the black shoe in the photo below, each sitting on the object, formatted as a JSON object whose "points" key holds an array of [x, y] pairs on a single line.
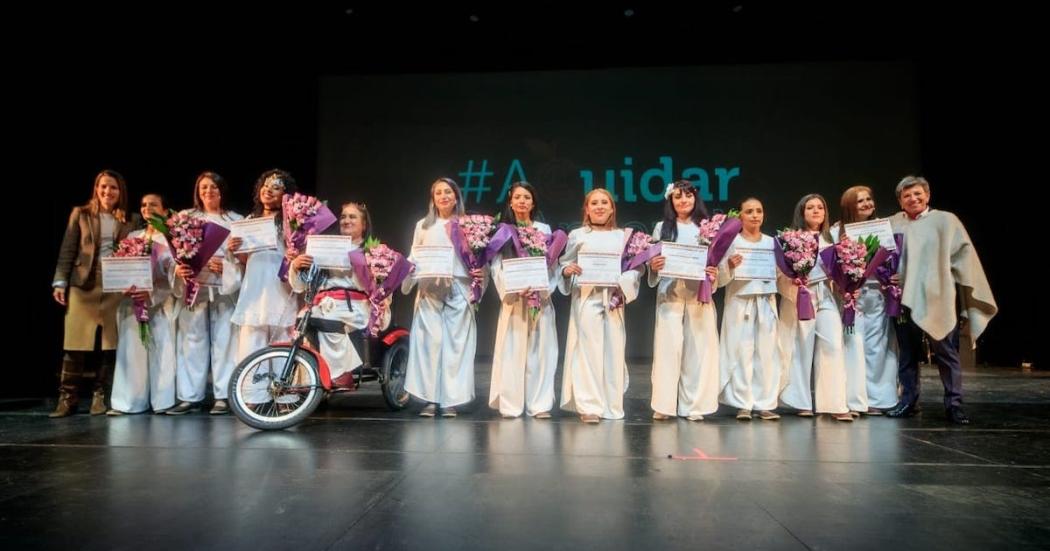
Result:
{"points": [[956, 415], [904, 410]]}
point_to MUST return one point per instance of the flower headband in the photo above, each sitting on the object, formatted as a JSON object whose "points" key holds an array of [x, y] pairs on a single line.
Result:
{"points": [[670, 190], [274, 181]]}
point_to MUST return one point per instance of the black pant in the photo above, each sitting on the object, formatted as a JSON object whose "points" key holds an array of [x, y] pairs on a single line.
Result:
{"points": [[945, 355]]}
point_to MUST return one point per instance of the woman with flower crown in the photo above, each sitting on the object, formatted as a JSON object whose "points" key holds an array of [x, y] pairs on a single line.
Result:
{"points": [[813, 349], [145, 369], [685, 343], [750, 362], [205, 331], [266, 306], [525, 357], [340, 305], [441, 351], [594, 378]]}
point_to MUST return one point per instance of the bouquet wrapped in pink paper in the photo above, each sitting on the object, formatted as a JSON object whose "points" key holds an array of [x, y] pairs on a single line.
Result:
{"points": [[796, 255], [137, 247], [529, 241], [193, 241], [380, 270], [303, 215], [717, 233], [477, 238], [850, 264]]}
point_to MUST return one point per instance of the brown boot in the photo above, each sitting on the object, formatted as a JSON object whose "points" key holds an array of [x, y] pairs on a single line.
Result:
{"points": [[103, 383], [68, 384], [67, 405], [98, 403]]}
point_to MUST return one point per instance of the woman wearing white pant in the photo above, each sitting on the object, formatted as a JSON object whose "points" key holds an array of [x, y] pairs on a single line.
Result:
{"points": [[813, 348], [145, 372], [594, 378], [205, 329], [525, 357], [685, 343], [871, 349], [441, 351], [266, 306], [750, 362]]}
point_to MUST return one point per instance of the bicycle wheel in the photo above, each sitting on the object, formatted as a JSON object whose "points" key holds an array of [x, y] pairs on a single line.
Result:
{"points": [[395, 362], [260, 400]]}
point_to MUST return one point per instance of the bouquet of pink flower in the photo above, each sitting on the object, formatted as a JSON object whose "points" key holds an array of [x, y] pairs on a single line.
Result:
{"points": [[477, 238], [133, 247], [193, 241], [380, 270], [796, 256], [529, 241], [302, 215], [851, 264], [185, 233], [639, 249], [717, 233], [534, 242], [137, 247]]}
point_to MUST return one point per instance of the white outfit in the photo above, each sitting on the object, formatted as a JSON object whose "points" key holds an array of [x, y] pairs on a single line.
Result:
{"points": [[265, 311], [813, 349], [525, 357], [870, 351], [145, 376], [685, 342], [444, 331], [206, 335], [750, 361], [336, 348], [595, 373]]}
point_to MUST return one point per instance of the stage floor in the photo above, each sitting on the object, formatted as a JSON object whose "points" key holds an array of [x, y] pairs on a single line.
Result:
{"points": [[356, 476]]}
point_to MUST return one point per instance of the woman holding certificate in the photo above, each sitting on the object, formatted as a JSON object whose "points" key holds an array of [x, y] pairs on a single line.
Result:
{"points": [[871, 349], [526, 354], [444, 332], [685, 345], [145, 372], [266, 306], [92, 233], [595, 375], [813, 347], [205, 329], [340, 305], [750, 362]]}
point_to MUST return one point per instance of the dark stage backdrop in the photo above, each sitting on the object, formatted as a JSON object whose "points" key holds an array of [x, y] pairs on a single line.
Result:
{"points": [[773, 131]]}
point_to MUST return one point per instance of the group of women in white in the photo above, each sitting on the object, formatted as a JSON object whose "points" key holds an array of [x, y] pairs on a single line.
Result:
{"points": [[761, 358]]}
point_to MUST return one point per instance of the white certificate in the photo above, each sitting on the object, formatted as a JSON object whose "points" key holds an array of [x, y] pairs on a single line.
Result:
{"points": [[758, 263], [432, 261], [879, 228], [601, 269], [330, 251], [529, 272], [256, 234], [683, 261], [122, 273]]}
